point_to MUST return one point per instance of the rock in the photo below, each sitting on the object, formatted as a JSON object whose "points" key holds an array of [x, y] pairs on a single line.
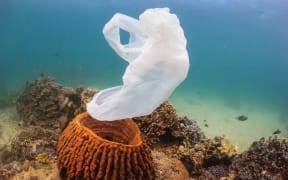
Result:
{"points": [[169, 168]]}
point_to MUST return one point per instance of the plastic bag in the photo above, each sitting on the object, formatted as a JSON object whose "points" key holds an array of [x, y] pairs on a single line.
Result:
{"points": [[158, 63]]}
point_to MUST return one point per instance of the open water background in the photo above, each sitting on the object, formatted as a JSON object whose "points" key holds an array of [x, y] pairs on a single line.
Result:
{"points": [[238, 49]]}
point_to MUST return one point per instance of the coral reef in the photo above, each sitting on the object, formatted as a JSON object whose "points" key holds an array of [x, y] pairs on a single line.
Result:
{"points": [[161, 122], [93, 148], [189, 132], [9, 170], [265, 159], [30, 142], [175, 135], [46, 103], [103, 150], [212, 154]]}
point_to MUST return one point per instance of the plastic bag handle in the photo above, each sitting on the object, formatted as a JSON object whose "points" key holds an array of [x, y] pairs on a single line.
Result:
{"points": [[137, 39]]}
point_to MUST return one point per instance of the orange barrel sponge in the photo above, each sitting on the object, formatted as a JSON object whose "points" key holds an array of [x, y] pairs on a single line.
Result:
{"points": [[92, 149]]}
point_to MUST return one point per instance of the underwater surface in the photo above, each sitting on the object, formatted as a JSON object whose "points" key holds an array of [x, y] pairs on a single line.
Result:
{"points": [[238, 56]]}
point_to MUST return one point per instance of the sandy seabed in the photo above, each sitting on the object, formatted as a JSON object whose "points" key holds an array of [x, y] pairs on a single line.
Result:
{"points": [[217, 117], [9, 121]]}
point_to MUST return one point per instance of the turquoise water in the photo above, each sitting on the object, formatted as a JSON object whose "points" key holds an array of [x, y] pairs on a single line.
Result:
{"points": [[238, 49]]}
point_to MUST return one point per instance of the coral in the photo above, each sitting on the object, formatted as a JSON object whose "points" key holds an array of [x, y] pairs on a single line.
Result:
{"points": [[42, 158], [217, 151], [86, 96], [5, 174], [34, 140], [9, 170], [167, 168], [219, 171], [161, 122], [189, 131], [265, 159], [103, 150], [44, 101], [226, 148], [208, 153], [188, 135], [175, 135]]}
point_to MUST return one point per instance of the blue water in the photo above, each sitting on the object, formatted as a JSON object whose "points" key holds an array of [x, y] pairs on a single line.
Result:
{"points": [[237, 48]]}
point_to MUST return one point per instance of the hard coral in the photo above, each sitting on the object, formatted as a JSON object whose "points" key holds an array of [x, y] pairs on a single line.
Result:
{"points": [[93, 149], [32, 141], [215, 154], [44, 101], [265, 159], [162, 121]]}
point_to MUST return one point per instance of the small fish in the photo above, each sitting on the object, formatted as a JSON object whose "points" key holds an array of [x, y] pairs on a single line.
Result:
{"points": [[278, 131], [242, 118]]}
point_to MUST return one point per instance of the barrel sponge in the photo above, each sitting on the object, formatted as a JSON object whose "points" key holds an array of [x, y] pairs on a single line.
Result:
{"points": [[93, 149]]}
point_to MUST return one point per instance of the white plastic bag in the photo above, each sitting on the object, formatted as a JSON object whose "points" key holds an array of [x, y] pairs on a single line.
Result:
{"points": [[158, 63]]}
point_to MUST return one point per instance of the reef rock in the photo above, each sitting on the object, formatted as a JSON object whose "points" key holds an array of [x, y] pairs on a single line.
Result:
{"points": [[168, 168], [265, 159]]}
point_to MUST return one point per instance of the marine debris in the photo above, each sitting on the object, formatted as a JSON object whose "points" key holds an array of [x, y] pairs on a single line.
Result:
{"points": [[93, 149]]}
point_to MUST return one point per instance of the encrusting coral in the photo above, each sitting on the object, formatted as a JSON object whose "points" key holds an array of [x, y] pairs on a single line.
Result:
{"points": [[93, 149]]}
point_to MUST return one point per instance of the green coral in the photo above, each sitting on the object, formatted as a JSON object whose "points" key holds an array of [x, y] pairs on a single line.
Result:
{"points": [[226, 147], [42, 158]]}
